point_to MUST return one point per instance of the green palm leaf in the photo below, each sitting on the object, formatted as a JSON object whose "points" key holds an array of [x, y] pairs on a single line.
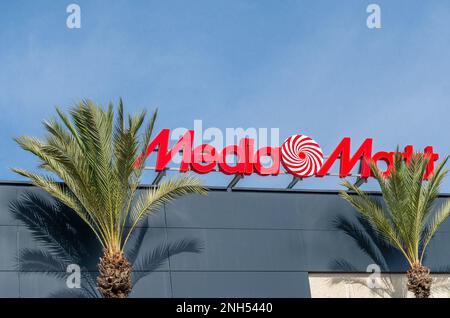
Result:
{"points": [[407, 220], [89, 160]]}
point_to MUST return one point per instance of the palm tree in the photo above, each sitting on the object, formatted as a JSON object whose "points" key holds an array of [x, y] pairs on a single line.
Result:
{"points": [[94, 154], [371, 244], [407, 220], [65, 239]]}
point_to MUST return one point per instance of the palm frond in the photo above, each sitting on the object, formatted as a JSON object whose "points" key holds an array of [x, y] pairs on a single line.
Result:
{"points": [[430, 230], [374, 213], [154, 198], [132, 251], [408, 198], [93, 153], [361, 234]]}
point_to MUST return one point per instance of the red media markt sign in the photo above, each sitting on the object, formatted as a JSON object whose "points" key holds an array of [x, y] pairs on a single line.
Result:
{"points": [[300, 155]]}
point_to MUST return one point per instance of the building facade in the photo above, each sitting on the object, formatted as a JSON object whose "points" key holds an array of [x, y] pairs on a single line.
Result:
{"points": [[239, 243]]}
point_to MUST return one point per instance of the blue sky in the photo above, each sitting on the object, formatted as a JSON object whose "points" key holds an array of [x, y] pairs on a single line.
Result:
{"points": [[310, 67]]}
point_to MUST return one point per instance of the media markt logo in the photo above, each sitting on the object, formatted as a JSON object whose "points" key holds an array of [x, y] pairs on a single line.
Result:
{"points": [[300, 156]]}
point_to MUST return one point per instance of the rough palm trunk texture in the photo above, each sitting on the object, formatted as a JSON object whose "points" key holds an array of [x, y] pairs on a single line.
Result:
{"points": [[419, 281], [114, 280]]}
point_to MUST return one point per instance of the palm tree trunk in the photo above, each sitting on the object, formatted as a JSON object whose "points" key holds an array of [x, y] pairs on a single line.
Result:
{"points": [[419, 280], [114, 280]]}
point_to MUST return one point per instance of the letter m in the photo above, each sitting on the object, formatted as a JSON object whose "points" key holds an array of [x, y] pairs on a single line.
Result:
{"points": [[364, 153], [165, 154]]}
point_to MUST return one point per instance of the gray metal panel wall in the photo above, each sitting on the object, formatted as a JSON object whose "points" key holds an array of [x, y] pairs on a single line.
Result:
{"points": [[247, 244]]}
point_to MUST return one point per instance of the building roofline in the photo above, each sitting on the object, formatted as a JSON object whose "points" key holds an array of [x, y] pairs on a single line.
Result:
{"points": [[225, 189]]}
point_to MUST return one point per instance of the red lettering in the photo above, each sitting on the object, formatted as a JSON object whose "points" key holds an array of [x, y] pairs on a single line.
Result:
{"points": [[244, 154], [432, 158], [343, 150], [165, 155], [388, 158], [407, 154], [204, 159], [274, 168]]}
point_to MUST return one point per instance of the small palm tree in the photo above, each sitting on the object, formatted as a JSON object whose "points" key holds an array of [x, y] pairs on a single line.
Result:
{"points": [[65, 239], [380, 253], [408, 220], [95, 156]]}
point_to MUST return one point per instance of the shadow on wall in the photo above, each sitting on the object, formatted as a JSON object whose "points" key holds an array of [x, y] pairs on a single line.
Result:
{"points": [[66, 240], [384, 258]]}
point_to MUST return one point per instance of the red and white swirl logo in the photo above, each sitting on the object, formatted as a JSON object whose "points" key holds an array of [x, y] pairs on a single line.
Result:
{"points": [[301, 156]]}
